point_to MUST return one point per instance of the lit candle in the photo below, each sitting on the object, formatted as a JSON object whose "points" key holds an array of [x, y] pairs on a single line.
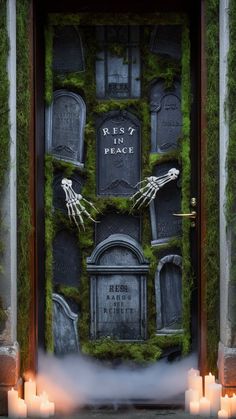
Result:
{"points": [[34, 406], [22, 408], [12, 398], [190, 396], [223, 414], [225, 404], [208, 379], [29, 390], [204, 407], [214, 397], [192, 373], [233, 405], [196, 384], [194, 408]]}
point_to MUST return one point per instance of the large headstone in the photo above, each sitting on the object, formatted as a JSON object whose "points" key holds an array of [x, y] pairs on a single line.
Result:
{"points": [[118, 154], [167, 202], [65, 321], [117, 223], [66, 259], [118, 289], [68, 53], [166, 117], [65, 121], [118, 62], [168, 288], [166, 41]]}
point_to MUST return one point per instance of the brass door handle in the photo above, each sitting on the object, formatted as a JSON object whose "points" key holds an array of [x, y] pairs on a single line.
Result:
{"points": [[192, 215]]}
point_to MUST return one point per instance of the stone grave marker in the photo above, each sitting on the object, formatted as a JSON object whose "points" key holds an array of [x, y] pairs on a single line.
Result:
{"points": [[68, 53], [66, 259]]}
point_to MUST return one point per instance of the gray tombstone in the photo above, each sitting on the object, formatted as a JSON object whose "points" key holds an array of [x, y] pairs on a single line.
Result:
{"points": [[166, 117], [65, 333], [68, 53], [168, 289], [118, 273], [118, 71], [59, 198], [118, 224], [118, 154], [66, 259], [166, 41], [65, 121], [167, 202]]}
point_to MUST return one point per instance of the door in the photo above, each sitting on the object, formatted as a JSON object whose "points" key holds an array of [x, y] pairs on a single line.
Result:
{"points": [[120, 215]]}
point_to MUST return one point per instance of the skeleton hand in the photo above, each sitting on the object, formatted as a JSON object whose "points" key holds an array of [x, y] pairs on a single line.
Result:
{"points": [[74, 203], [151, 185]]}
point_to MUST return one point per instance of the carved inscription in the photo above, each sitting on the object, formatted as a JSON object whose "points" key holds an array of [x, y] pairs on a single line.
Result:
{"points": [[118, 154]]}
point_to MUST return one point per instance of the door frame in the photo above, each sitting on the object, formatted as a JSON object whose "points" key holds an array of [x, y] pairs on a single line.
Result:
{"points": [[37, 272]]}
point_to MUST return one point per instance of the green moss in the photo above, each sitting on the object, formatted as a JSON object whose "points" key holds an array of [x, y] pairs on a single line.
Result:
{"points": [[48, 65], [23, 204]]}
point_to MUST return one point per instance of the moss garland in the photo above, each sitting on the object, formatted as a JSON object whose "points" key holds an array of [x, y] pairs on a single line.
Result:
{"points": [[211, 245], [23, 205], [84, 84]]}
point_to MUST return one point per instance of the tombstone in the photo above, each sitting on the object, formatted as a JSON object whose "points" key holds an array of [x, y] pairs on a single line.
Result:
{"points": [[68, 55], [118, 272], [166, 117], [118, 62], [165, 225], [118, 224], [118, 154], [64, 327], [168, 290], [59, 198], [166, 41], [66, 259], [65, 121]]}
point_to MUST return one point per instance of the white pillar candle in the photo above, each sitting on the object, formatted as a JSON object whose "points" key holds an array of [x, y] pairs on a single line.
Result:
{"points": [[51, 408], [22, 408], [34, 406], [204, 407], [12, 398], [44, 409], [192, 373], [215, 391], [208, 379], [194, 408], [190, 396], [29, 390], [196, 384], [223, 414], [233, 405], [225, 404]]}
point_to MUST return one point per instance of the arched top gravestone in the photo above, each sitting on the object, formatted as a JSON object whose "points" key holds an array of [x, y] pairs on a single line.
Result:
{"points": [[68, 53], [65, 122]]}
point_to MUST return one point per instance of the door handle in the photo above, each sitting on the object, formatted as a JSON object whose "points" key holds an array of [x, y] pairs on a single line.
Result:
{"points": [[192, 215]]}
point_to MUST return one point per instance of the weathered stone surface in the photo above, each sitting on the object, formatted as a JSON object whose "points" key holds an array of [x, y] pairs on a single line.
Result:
{"points": [[118, 289], [227, 365], [118, 154], [118, 75], [64, 327], [166, 41], [168, 289], [118, 223], [166, 117], [68, 53], [167, 202], [65, 121], [66, 259]]}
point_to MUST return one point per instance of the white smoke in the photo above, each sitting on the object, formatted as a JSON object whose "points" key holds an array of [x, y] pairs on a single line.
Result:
{"points": [[74, 381]]}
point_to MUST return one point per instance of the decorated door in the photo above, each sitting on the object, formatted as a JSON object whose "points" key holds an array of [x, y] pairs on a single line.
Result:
{"points": [[119, 273]]}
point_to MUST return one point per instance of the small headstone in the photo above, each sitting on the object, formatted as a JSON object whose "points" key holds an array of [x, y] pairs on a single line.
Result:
{"points": [[166, 41], [68, 53], [117, 223], [65, 333], [118, 154], [118, 62], [166, 117], [167, 202], [65, 121], [168, 287], [66, 259]]}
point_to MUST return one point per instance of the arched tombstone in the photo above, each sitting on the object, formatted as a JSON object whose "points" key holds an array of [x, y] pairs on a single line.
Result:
{"points": [[166, 117], [168, 291], [65, 321], [65, 122], [118, 272], [68, 55]]}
